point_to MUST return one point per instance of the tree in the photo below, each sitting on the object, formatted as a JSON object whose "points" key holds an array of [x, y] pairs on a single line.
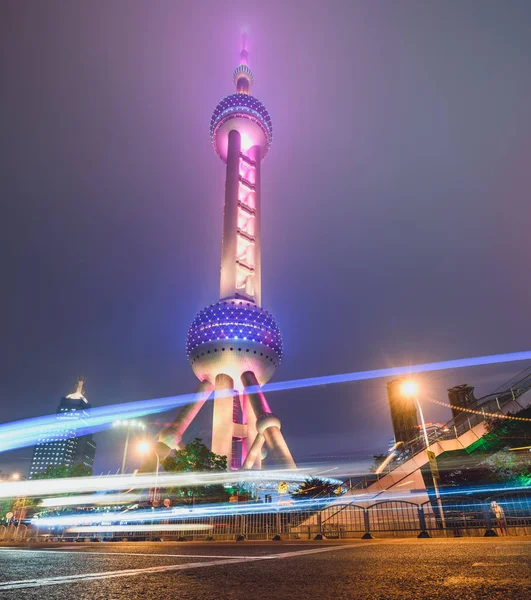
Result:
{"points": [[196, 457], [60, 471], [491, 460], [314, 487], [80, 471]]}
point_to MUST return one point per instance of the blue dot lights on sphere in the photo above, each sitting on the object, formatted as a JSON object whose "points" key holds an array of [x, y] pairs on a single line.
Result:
{"points": [[234, 321], [234, 336]]}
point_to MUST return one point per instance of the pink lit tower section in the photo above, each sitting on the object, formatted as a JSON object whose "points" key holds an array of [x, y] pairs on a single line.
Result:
{"points": [[234, 345]]}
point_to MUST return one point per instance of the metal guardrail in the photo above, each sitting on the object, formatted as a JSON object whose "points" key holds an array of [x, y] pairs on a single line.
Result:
{"points": [[464, 516]]}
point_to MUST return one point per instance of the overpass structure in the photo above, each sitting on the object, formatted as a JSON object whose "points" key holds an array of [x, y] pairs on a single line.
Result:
{"points": [[462, 432]]}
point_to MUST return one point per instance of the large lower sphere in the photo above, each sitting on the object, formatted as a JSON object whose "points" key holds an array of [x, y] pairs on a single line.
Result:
{"points": [[231, 337]]}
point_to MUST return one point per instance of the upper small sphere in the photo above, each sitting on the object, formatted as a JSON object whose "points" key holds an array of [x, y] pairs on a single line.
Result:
{"points": [[243, 72], [231, 337], [247, 115]]}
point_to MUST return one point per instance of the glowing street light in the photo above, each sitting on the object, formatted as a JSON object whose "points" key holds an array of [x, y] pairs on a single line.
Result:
{"points": [[128, 424], [144, 447], [15, 476], [410, 389]]}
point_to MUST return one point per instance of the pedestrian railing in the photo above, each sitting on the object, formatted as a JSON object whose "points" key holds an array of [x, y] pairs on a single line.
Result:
{"points": [[13, 532], [463, 516]]}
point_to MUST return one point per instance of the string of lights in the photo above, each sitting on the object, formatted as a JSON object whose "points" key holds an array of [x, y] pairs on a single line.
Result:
{"points": [[478, 412]]}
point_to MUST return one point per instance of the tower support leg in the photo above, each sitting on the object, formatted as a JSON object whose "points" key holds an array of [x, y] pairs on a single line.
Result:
{"points": [[249, 418], [277, 446], [222, 425], [267, 423], [254, 452], [170, 437]]}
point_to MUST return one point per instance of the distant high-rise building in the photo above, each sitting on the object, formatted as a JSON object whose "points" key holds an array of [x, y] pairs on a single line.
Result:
{"points": [[65, 447], [461, 396], [403, 413]]}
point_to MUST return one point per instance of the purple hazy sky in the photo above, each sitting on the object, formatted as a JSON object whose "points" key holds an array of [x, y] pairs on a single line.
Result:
{"points": [[396, 204]]}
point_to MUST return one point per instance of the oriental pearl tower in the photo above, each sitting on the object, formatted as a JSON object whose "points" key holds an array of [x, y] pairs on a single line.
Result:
{"points": [[234, 345]]}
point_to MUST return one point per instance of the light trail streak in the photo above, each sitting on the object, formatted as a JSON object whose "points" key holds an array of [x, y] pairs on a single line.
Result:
{"points": [[69, 485], [179, 513], [106, 519], [91, 499], [19, 434], [133, 528]]}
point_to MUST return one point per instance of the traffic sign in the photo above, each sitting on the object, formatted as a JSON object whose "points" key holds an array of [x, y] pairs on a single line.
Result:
{"points": [[283, 487], [433, 464]]}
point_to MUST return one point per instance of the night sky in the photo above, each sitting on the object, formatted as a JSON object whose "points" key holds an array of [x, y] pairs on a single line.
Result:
{"points": [[396, 204]]}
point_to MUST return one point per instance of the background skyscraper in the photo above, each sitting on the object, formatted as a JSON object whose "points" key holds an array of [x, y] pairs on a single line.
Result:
{"points": [[65, 448]]}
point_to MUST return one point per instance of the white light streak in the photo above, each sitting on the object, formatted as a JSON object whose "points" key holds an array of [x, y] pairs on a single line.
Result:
{"points": [[133, 528], [91, 499]]}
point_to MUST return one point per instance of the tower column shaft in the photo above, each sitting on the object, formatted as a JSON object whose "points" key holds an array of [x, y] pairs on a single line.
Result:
{"points": [[254, 154], [222, 425], [230, 218], [250, 419], [256, 398]]}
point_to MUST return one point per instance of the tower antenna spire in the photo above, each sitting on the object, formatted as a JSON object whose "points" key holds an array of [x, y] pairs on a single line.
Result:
{"points": [[79, 385], [244, 54], [243, 76]]}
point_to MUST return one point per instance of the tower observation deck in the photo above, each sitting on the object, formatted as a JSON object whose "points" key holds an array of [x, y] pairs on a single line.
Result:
{"points": [[234, 345]]}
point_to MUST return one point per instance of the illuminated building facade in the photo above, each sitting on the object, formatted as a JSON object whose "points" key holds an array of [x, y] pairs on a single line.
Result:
{"points": [[234, 345], [63, 447]]}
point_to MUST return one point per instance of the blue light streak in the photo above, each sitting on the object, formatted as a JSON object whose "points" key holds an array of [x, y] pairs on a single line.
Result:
{"points": [[179, 513], [19, 434]]}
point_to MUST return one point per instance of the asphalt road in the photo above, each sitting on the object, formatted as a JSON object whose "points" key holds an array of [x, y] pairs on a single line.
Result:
{"points": [[453, 569]]}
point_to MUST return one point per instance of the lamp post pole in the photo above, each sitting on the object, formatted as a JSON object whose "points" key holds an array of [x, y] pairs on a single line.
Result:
{"points": [[124, 459], [127, 424], [434, 478], [156, 477], [144, 448]]}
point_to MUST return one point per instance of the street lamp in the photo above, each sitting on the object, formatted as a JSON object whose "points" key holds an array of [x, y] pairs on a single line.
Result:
{"points": [[128, 424], [145, 448], [409, 389], [15, 476]]}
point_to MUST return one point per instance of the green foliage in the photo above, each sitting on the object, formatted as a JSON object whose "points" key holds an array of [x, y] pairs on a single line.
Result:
{"points": [[60, 471], [195, 457], [314, 487], [495, 462], [6, 505], [15, 504], [80, 471], [508, 433]]}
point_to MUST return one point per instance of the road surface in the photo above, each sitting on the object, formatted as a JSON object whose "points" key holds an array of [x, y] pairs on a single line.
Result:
{"points": [[463, 569]]}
